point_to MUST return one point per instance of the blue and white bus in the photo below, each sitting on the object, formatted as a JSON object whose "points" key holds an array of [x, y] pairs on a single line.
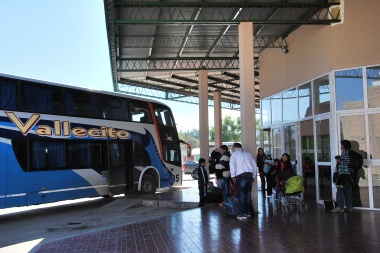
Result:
{"points": [[59, 142]]}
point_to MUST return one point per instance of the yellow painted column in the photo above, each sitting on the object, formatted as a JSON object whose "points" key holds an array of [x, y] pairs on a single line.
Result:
{"points": [[218, 118], [247, 96], [203, 114]]}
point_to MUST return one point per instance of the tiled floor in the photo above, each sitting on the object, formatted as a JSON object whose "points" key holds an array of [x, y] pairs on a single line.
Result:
{"points": [[208, 229]]}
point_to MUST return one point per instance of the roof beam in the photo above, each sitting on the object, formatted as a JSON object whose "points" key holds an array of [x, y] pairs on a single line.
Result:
{"points": [[218, 13]]}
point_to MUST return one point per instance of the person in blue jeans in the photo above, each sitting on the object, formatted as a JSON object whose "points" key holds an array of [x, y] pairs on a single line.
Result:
{"points": [[243, 171], [224, 166], [344, 184]]}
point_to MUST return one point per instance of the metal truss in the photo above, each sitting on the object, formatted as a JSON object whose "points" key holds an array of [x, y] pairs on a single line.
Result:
{"points": [[220, 13], [160, 94], [198, 41], [179, 63], [358, 73]]}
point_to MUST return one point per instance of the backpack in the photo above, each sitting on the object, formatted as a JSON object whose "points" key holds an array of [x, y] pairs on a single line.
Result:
{"points": [[356, 160]]}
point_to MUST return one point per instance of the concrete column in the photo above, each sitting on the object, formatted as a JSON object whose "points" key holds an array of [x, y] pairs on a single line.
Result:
{"points": [[203, 114], [218, 118], [247, 96]]}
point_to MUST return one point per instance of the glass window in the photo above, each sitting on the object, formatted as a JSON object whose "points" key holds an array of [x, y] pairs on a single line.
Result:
{"points": [[276, 143], [84, 154], [373, 89], [290, 105], [81, 104], [265, 112], [349, 92], [114, 108], [374, 136], [323, 140], [307, 140], [41, 99], [8, 94], [290, 136], [276, 104], [117, 154], [304, 104], [376, 185], [321, 95], [164, 116], [140, 111], [47, 155], [352, 128]]}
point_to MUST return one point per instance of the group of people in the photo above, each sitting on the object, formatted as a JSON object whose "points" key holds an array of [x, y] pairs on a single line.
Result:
{"points": [[236, 172], [233, 171]]}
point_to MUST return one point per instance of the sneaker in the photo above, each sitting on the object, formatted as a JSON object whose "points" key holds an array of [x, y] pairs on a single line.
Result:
{"points": [[248, 215], [242, 216], [348, 209], [337, 210]]}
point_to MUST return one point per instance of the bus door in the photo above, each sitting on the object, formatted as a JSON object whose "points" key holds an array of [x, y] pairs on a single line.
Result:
{"points": [[15, 178], [120, 167]]}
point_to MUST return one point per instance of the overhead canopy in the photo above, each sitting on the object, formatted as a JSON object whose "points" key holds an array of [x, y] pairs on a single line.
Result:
{"points": [[158, 47]]}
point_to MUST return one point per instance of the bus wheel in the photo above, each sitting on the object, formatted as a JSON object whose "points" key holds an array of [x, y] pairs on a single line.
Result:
{"points": [[194, 175], [148, 184]]}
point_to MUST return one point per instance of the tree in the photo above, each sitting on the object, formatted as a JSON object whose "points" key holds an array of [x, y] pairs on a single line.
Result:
{"points": [[191, 137]]}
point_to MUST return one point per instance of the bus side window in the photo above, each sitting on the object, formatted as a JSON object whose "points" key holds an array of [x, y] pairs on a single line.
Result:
{"points": [[114, 108], [8, 94], [140, 112], [36, 98], [81, 104]]}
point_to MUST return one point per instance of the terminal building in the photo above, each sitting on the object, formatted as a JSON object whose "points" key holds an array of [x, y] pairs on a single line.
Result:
{"points": [[320, 86], [324, 90]]}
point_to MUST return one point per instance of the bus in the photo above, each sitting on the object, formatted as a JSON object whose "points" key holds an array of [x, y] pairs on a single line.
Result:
{"points": [[59, 142]]}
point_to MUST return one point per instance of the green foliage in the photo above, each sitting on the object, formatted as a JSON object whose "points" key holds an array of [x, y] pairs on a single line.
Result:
{"points": [[191, 137]]}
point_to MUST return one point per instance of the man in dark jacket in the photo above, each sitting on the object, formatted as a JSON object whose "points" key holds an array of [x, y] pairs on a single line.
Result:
{"points": [[202, 181], [224, 167]]}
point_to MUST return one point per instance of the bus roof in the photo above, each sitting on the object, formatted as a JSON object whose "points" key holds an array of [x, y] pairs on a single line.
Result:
{"points": [[79, 88]]}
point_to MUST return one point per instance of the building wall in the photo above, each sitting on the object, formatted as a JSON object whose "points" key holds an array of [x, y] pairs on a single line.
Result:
{"points": [[317, 50]]}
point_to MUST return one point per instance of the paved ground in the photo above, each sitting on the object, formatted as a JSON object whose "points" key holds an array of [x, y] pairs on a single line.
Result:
{"points": [[124, 226]]}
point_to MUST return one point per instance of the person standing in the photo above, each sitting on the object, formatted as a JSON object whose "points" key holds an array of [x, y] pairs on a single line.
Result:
{"points": [[260, 159], [344, 185], [202, 181], [224, 166], [308, 169], [243, 170]]}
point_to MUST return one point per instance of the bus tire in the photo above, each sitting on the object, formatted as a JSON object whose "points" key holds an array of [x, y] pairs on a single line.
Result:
{"points": [[194, 175], [148, 184]]}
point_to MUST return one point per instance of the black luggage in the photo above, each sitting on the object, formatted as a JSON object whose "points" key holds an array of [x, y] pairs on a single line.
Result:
{"points": [[214, 195]]}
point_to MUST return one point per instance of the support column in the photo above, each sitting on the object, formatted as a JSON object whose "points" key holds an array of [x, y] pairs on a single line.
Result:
{"points": [[218, 118], [203, 115], [247, 96]]}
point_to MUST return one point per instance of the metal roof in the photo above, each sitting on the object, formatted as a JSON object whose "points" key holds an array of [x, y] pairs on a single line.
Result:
{"points": [[157, 47]]}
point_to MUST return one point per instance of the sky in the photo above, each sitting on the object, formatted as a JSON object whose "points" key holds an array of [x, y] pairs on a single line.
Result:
{"points": [[65, 42]]}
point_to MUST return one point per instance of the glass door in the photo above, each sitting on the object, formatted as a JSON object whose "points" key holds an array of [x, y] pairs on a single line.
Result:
{"points": [[307, 159], [291, 144], [323, 168]]}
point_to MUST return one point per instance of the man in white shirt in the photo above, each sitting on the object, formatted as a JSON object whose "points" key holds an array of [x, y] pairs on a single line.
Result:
{"points": [[243, 172]]}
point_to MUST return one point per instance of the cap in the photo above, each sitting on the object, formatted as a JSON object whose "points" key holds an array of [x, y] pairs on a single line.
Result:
{"points": [[337, 157]]}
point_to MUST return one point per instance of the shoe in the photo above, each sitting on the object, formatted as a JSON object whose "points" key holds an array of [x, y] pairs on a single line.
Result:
{"points": [[248, 215], [338, 210], [348, 209], [242, 216]]}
